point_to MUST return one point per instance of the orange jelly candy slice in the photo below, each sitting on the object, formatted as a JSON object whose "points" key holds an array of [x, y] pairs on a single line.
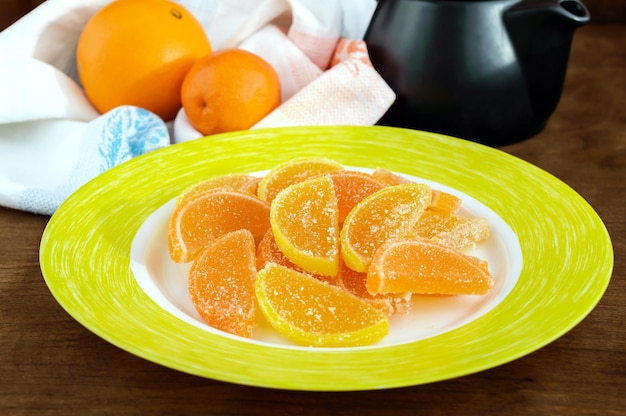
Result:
{"points": [[314, 313], [390, 304], [292, 172], [221, 283], [454, 230], [200, 218], [268, 252], [420, 265], [445, 202], [351, 187], [240, 182], [388, 177], [304, 219], [390, 212], [441, 201]]}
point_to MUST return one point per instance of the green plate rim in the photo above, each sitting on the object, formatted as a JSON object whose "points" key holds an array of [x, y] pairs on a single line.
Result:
{"points": [[567, 252]]}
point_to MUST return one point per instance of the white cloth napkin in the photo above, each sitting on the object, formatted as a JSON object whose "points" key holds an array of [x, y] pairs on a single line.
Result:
{"points": [[52, 140]]}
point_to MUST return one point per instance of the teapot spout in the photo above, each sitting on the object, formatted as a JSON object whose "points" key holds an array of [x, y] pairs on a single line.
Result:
{"points": [[572, 11], [541, 33]]}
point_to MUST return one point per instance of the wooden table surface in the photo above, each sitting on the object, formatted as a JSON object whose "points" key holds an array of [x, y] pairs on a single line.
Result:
{"points": [[50, 364]]}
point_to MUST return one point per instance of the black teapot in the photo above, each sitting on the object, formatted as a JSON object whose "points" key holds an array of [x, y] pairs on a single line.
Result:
{"points": [[490, 71]]}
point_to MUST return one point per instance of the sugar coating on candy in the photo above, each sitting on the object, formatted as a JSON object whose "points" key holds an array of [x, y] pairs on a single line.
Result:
{"points": [[390, 304], [445, 202], [199, 219], [316, 313], [240, 182], [388, 213], [221, 283], [351, 187], [304, 219], [388, 177], [420, 265], [341, 252], [454, 230], [292, 172], [268, 252]]}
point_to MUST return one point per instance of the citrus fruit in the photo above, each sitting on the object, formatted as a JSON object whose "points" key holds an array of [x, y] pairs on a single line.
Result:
{"points": [[137, 52], [233, 182], [221, 283], [315, 313], [354, 282], [268, 252], [420, 265], [294, 171], [229, 90], [390, 212], [201, 218], [304, 220], [351, 187], [451, 229]]}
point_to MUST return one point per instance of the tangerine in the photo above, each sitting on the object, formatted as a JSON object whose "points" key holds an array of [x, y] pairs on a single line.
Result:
{"points": [[137, 52], [229, 90]]}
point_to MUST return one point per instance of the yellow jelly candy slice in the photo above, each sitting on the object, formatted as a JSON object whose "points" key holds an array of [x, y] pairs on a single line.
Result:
{"points": [[314, 313], [304, 219], [390, 212]]}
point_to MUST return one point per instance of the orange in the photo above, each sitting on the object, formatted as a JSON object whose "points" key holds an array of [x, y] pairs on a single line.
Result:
{"points": [[201, 218], [221, 283], [304, 220], [268, 252], [420, 265], [354, 282], [314, 313], [351, 187], [234, 182], [390, 212], [229, 90], [294, 171], [137, 52], [451, 229]]}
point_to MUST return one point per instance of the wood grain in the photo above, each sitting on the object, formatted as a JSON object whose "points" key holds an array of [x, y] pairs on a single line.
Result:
{"points": [[51, 365], [606, 11]]}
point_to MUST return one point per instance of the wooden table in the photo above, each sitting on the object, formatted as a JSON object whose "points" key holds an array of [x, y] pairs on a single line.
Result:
{"points": [[50, 364]]}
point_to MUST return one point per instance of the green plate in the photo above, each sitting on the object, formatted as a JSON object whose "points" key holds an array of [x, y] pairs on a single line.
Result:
{"points": [[553, 258]]}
